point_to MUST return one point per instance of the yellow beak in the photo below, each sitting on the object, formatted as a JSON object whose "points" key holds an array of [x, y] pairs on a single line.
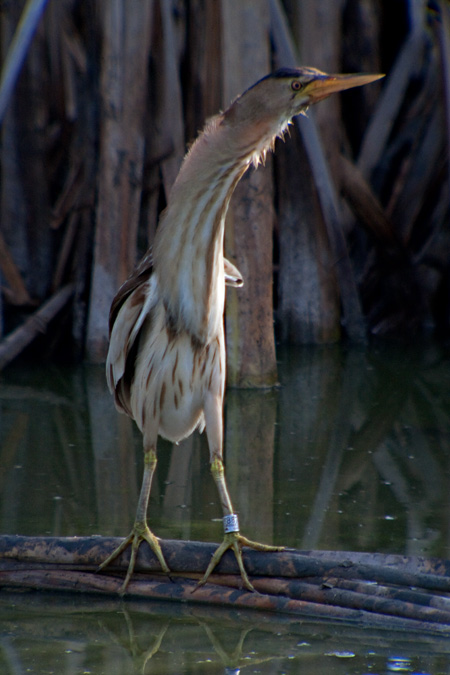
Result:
{"points": [[325, 85]]}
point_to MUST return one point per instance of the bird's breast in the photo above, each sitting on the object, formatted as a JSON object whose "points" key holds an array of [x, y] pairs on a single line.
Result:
{"points": [[173, 372]]}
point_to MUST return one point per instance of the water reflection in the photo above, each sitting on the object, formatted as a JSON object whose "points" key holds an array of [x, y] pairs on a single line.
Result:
{"points": [[351, 452], [364, 440], [104, 637]]}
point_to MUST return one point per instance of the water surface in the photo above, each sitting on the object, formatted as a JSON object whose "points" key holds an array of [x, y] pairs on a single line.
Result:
{"points": [[351, 452]]}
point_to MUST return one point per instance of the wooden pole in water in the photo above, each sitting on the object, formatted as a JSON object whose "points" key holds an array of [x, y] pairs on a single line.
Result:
{"points": [[367, 588]]}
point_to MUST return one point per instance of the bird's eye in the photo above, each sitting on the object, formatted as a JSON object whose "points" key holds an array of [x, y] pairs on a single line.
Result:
{"points": [[296, 85]]}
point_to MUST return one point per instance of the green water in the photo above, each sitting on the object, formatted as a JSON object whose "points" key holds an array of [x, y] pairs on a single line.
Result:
{"points": [[351, 452]]}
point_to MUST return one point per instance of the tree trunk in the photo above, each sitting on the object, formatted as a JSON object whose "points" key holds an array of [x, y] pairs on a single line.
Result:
{"points": [[308, 296], [249, 314], [126, 48]]}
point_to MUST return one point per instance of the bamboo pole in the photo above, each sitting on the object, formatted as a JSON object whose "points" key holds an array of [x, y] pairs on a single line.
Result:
{"points": [[168, 138], [444, 37], [18, 50], [367, 206], [410, 592], [126, 48], [308, 295], [392, 96], [161, 72], [17, 292], [191, 557], [14, 343], [248, 241], [353, 319]]}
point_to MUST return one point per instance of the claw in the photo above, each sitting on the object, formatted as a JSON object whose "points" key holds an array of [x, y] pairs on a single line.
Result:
{"points": [[140, 532], [235, 541]]}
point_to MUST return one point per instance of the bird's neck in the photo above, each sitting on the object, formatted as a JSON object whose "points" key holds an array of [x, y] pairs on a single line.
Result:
{"points": [[188, 248]]}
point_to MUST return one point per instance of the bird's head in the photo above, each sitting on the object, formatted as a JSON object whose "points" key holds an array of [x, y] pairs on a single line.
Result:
{"points": [[277, 98], [298, 88]]}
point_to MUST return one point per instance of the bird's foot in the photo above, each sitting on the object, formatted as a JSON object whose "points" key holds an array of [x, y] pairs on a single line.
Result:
{"points": [[140, 532], [235, 541]]}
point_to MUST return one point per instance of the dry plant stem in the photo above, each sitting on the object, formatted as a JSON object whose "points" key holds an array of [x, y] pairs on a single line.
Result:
{"points": [[18, 50], [17, 291], [16, 341]]}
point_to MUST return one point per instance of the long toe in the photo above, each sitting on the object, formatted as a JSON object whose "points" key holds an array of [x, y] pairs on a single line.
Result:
{"points": [[257, 546], [215, 559], [141, 532], [116, 553], [154, 544], [235, 541]]}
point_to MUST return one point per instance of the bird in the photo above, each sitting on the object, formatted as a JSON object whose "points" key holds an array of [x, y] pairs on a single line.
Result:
{"points": [[166, 364]]}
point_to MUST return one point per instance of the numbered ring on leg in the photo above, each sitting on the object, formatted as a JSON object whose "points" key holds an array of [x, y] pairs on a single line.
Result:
{"points": [[231, 523]]}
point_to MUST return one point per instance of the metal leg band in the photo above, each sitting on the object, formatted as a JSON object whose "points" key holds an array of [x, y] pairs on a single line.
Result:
{"points": [[231, 523]]}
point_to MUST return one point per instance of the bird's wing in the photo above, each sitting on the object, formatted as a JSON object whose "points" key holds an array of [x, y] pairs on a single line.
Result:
{"points": [[129, 309], [139, 276], [127, 315]]}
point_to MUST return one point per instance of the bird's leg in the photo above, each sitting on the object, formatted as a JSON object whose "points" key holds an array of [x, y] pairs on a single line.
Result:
{"points": [[141, 531], [232, 538]]}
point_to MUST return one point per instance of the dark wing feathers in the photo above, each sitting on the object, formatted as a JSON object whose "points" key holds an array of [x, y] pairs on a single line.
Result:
{"points": [[140, 275], [125, 320]]}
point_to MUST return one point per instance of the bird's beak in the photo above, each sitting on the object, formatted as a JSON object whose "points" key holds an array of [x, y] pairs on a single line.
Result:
{"points": [[324, 85]]}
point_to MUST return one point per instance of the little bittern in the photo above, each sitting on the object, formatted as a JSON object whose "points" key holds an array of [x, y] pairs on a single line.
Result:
{"points": [[166, 359]]}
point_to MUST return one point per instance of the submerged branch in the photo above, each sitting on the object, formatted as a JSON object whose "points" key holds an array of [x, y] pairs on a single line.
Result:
{"points": [[367, 588]]}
